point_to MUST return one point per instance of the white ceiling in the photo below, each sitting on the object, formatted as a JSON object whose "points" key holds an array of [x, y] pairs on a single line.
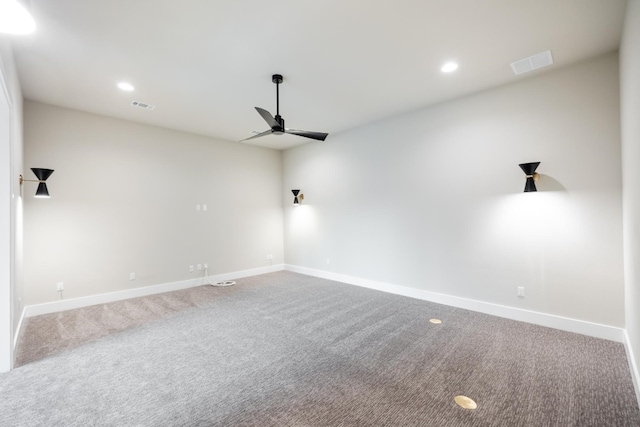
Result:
{"points": [[205, 64]]}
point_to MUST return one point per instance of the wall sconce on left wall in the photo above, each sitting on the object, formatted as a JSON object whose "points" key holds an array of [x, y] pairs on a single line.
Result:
{"points": [[297, 197], [42, 175]]}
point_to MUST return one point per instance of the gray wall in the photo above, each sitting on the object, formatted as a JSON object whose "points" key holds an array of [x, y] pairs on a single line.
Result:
{"points": [[124, 199], [630, 101], [433, 199]]}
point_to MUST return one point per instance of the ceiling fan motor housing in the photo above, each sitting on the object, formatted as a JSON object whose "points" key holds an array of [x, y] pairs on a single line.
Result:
{"points": [[278, 130]]}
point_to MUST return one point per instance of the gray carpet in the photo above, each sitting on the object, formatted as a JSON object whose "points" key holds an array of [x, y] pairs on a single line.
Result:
{"points": [[284, 349], [49, 334]]}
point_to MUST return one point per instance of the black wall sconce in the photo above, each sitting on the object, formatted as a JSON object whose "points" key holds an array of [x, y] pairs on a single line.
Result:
{"points": [[297, 197], [529, 169], [42, 175]]}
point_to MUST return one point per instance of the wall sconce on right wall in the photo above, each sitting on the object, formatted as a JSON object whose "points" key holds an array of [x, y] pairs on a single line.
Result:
{"points": [[297, 197], [529, 169]]}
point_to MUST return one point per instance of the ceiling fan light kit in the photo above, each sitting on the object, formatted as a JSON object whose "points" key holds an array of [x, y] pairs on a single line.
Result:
{"points": [[277, 123]]}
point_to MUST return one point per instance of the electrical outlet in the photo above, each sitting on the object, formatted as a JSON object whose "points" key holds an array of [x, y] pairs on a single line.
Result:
{"points": [[204, 207], [191, 269], [60, 286], [521, 291], [269, 256], [206, 266], [198, 208], [328, 261], [199, 267], [132, 276]]}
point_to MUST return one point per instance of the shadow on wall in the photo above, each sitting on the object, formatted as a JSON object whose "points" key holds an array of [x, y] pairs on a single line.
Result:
{"points": [[547, 183]]}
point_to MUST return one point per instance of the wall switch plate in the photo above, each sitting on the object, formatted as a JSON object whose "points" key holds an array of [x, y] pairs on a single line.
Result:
{"points": [[204, 207], [199, 267], [198, 208], [521, 291], [132, 276], [191, 269], [60, 286]]}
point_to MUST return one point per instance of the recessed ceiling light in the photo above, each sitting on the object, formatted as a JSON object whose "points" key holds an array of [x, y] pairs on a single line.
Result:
{"points": [[449, 67], [125, 86], [15, 19]]}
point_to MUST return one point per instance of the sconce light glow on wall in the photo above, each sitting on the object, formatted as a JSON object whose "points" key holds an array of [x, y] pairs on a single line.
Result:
{"points": [[42, 175], [529, 169], [15, 19], [297, 197]]}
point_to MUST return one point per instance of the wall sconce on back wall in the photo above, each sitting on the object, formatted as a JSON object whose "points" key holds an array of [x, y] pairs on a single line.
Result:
{"points": [[297, 197], [532, 176], [42, 175]]}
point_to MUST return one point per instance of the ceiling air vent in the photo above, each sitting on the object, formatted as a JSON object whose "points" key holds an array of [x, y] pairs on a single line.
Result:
{"points": [[531, 63], [143, 105]]}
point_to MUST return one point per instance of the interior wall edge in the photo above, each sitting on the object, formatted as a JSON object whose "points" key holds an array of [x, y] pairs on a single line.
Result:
{"points": [[537, 318], [630, 133], [70, 304]]}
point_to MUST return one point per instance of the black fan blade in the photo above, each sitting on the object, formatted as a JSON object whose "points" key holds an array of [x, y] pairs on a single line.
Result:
{"points": [[320, 136], [267, 117], [266, 132]]}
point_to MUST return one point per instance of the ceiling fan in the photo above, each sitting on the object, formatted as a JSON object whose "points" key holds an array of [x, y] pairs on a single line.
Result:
{"points": [[277, 122]]}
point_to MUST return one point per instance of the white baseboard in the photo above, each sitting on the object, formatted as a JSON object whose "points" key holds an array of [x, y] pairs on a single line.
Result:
{"points": [[537, 318], [16, 337], [68, 304], [635, 375]]}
